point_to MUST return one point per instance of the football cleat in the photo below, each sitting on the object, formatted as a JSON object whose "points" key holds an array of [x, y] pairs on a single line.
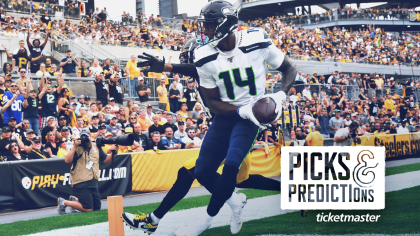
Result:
{"points": [[139, 221], [73, 199], [236, 217], [304, 213], [61, 208]]}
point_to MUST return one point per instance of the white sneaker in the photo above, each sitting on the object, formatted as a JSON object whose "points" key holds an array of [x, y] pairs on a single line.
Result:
{"points": [[237, 204], [195, 228]]}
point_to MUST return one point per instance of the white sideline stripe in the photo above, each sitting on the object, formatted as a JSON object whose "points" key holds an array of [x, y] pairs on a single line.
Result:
{"points": [[255, 209]]}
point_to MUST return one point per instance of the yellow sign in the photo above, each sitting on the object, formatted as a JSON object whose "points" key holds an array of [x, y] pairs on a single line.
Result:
{"points": [[396, 145]]}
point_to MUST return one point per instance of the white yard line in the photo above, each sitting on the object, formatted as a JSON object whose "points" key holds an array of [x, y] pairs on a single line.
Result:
{"points": [[255, 209]]}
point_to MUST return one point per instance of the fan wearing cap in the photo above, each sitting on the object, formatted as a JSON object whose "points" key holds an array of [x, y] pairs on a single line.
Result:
{"points": [[6, 139], [62, 123], [84, 174], [143, 90], [36, 152], [101, 89], [190, 93], [30, 108], [94, 127], [403, 128], [203, 119], [69, 64], [111, 103], [113, 128], [12, 101]]}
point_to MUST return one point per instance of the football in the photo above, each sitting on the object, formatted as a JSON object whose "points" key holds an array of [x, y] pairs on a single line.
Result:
{"points": [[264, 110]]}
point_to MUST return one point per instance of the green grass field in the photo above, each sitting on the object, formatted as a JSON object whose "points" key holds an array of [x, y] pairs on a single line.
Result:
{"points": [[400, 216]]}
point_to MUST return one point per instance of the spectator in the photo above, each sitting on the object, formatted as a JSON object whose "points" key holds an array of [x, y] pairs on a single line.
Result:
{"points": [[83, 71], [149, 113], [51, 147], [403, 129], [49, 99], [12, 101], [36, 152], [80, 124], [23, 81], [315, 138], [101, 89], [140, 138], [180, 133], [180, 88], [203, 119], [62, 148], [343, 138], [69, 64], [162, 94], [21, 56], [29, 135], [191, 140], [174, 95], [132, 71], [143, 121], [16, 131], [196, 111], [14, 152], [113, 128], [203, 131], [114, 108], [169, 123], [306, 93], [115, 90], [156, 143], [156, 126], [143, 91], [42, 70], [36, 50], [335, 123], [273, 133], [170, 142]]}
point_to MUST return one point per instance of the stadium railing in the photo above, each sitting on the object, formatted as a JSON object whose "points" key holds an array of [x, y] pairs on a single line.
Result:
{"points": [[296, 56], [53, 10], [324, 17]]}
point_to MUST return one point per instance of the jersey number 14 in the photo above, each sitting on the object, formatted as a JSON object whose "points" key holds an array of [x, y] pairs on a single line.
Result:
{"points": [[227, 80]]}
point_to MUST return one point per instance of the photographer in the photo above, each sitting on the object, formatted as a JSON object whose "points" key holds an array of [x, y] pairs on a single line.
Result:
{"points": [[345, 136], [84, 174]]}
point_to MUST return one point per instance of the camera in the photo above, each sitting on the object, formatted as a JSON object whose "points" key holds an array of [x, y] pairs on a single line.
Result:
{"points": [[123, 140]]}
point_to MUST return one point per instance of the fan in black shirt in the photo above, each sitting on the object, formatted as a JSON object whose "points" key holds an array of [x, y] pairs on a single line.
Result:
{"points": [[101, 89], [156, 143], [115, 90]]}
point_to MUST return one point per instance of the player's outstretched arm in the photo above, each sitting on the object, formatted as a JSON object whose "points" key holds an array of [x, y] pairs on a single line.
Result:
{"points": [[157, 65]]}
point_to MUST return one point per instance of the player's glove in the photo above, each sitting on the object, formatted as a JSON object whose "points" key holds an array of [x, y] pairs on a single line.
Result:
{"points": [[246, 113], [279, 98], [156, 65]]}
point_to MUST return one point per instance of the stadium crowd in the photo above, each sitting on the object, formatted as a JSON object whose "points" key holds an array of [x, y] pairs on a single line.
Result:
{"points": [[371, 44], [44, 122]]}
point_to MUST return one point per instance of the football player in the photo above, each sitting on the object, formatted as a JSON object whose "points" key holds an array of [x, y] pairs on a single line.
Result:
{"points": [[231, 68], [149, 222]]}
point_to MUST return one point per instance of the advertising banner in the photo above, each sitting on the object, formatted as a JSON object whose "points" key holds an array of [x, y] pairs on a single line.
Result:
{"points": [[38, 183]]}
